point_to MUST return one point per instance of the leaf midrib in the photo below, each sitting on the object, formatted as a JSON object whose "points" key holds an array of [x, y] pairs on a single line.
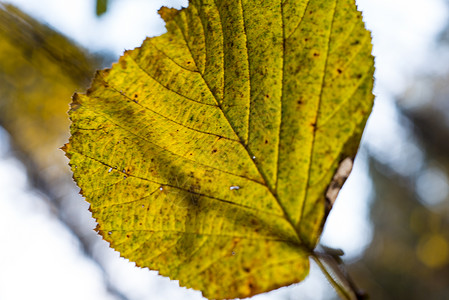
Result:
{"points": [[250, 155]]}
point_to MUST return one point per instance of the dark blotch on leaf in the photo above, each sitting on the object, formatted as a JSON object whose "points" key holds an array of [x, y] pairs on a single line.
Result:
{"points": [[123, 63]]}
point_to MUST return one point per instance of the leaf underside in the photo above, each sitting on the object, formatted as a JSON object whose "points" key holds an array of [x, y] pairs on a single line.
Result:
{"points": [[206, 153]]}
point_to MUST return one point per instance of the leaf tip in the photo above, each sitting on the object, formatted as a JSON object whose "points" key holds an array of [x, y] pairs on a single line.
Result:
{"points": [[75, 104], [167, 14], [65, 148]]}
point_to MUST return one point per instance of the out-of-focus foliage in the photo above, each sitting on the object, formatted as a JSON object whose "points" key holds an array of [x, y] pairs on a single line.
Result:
{"points": [[409, 255], [206, 153], [39, 70], [102, 7]]}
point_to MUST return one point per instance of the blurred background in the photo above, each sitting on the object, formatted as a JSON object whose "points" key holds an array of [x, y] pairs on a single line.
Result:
{"points": [[391, 218]]}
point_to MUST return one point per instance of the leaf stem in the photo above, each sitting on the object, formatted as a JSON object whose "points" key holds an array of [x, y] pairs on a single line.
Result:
{"points": [[330, 266]]}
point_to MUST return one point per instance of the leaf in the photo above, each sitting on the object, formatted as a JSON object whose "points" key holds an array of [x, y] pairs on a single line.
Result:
{"points": [[207, 152]]}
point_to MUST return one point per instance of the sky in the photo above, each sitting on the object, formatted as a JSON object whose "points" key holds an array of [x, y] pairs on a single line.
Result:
{"points": [[40, 259]]}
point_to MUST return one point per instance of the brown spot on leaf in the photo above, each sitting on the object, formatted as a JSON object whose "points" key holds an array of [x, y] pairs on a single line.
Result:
{"points": [[123, 63], [75, 102]]}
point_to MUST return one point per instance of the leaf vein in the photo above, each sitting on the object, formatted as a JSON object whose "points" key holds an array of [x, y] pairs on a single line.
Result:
{"points": [[250, 104], [301, 210], [170, 58], [263, 238], [169, 119], [340, 106], [196, 62], [160, 83], [173, 153], [300, 21], [177, 187]]}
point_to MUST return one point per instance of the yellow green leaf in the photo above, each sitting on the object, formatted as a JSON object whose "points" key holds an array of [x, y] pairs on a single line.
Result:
{"points": [[207, 152]]}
